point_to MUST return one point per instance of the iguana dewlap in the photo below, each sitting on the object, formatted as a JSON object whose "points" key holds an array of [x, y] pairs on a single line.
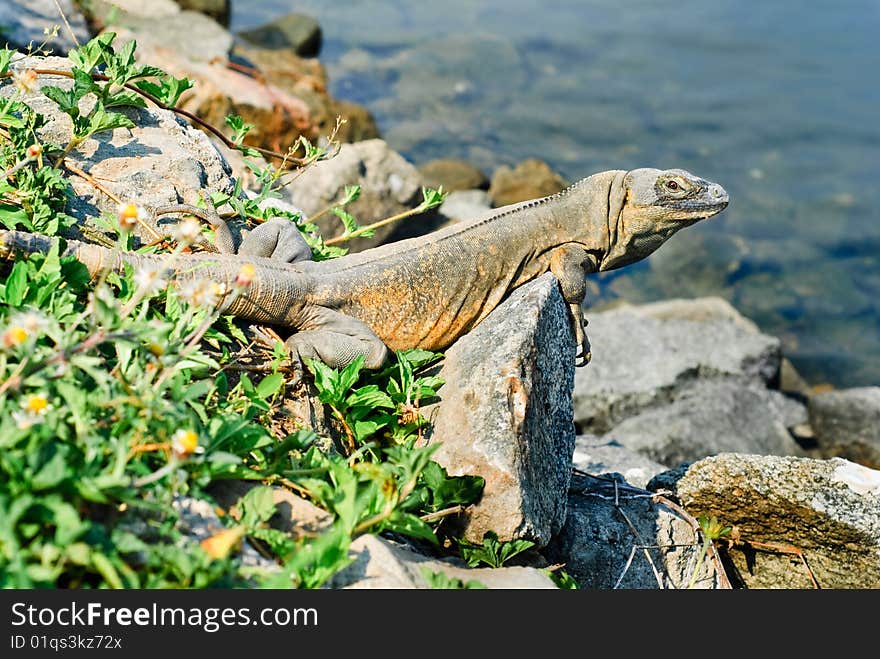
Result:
{"points": [[427, 291]]}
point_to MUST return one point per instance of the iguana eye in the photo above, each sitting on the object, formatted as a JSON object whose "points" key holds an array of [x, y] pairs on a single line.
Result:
{"points": [[672, 185]]}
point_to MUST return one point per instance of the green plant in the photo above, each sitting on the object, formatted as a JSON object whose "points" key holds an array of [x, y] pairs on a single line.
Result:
{"points": [[116, 400], [440, 580], [712, 530], [492, 552]]}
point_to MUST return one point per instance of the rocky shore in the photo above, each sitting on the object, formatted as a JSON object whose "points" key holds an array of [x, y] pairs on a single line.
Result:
{"points": [[687, 412]]}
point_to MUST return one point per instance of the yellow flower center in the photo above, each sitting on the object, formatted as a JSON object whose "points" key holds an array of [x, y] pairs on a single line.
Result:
{"points": [[36, 404], [14, 336]]}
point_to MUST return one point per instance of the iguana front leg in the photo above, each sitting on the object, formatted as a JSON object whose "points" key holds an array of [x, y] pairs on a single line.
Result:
{"points": [[570, 264]]}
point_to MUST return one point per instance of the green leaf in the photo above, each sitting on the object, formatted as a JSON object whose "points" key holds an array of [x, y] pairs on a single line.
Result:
{"points": [[12, 217], [348, 220], [66, 100], [257, 506], [5, 57], [410, 525], [100, 120], [53, 471], [87, 56], [105, 568], [16, 284], [270, 385]]}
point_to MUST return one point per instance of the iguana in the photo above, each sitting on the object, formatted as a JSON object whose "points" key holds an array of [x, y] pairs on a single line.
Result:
{"points": [[426, 292]]}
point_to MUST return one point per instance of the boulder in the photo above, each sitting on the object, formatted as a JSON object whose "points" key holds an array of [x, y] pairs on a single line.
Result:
{"points": [[389, 185], [713, 416], [306, 79], [453, 174], [161, 160], [530, 179], [624, 539], [643, 356], [279, 118], [190, 35], [296, 32], [25, 21], [602, 455], [797, 522], [846, 424], [505, 414], [380, 563]]}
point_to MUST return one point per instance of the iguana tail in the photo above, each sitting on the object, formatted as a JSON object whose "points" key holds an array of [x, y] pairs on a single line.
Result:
{"points": [[274, 295]]}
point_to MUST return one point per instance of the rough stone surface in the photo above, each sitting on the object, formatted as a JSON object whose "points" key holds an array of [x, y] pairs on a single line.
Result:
{"points": [[298, 32], [189, 34], [453, 174], [643, 356], [279, 118], [846, 424], [715, 416], [530, 179], [601, 455], [601, 550], [465, 205], [380, 563], [389, 185], [306, 79], [827, 509], [505, 414], [159, 161], [23, 22]]}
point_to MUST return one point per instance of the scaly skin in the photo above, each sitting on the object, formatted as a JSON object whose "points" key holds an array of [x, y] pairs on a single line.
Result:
{"points": [[428, 291]]}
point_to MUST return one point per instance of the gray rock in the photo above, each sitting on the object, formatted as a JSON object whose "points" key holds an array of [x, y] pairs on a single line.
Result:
{"points": [[465, 204], [24, 22], [846, 424], [161, 160], [188, 34], [453, 174], [380, 563], [608, 537], [505, 414], [643, 356], [713, 416], [602, 455], [389, 185], [829, 510], [298, 32]]}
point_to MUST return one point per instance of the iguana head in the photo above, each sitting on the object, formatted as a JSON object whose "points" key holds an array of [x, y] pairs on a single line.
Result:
{"points": [[646, 206]]}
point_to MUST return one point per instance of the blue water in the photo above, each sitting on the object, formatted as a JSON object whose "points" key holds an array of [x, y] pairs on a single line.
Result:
{"points": [[778, 101]]}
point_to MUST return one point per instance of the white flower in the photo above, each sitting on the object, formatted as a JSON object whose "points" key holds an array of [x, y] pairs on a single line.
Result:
{"points": [[201, 292], [150, 278], [186, 442], [130, 215], [33, 408], [24, 81], [188, 231]]}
